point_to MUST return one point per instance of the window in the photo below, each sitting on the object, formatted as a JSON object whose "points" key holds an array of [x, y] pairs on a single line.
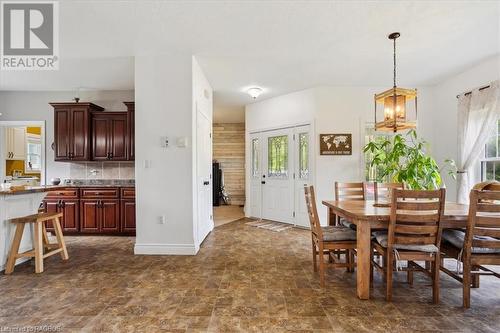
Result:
{"points": [[490, 163], [278, 156], [373, 173], [255, 158], [303, 155], [33, 163]]}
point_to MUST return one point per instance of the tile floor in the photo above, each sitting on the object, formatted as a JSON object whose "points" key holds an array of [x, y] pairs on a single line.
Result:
{"points": [[244, 279]]}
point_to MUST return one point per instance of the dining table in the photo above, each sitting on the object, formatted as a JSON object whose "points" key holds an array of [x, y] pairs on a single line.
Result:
{"points": [[369, 215]]}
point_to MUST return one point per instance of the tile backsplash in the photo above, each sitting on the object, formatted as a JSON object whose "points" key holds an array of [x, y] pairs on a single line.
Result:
{"points": [[100, 170]]}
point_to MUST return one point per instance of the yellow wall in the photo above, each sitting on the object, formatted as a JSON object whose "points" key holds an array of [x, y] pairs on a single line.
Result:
{"points": [[13, 165], [10, 166], [34, 130]]}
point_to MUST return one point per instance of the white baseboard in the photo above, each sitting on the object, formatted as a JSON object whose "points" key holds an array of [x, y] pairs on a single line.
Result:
{"points": [[165, 249]]}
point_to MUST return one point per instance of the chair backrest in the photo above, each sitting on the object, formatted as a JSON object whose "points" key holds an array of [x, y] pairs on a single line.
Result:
{"points": [[416, 217], [484, 220], [312, 211], [383, 190], [349, 191]]}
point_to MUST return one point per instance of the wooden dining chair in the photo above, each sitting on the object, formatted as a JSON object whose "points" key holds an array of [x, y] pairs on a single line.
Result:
{"points": [[328, 239], [479, 245], [348, 191], [383, 190], [414, 234]]}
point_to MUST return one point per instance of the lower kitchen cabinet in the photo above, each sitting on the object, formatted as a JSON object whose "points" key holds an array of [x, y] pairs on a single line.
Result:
{"points": [[128, 215], [110, 216], [89, 216], [100, 216], [88, 210], [69, 208]]}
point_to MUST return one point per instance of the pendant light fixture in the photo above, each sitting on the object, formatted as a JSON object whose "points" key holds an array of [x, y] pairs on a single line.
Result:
{"points": [[396, 103]]}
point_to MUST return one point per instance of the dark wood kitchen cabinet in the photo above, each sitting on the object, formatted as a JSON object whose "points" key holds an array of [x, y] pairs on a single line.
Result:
{"points": [[100, 216], [70, 209], [72, 122], [94, 210], [100, 210], [110, 137], [131, 129], [128, 210], [64, 201]]}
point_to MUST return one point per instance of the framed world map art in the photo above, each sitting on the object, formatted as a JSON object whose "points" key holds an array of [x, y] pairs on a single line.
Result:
{"points": [[335, 144]]}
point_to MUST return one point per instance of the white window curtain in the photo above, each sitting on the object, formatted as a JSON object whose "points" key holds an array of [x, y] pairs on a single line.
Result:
{"points": [[477, 117]]}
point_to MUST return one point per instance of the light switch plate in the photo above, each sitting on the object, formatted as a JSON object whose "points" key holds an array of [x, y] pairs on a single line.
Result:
{"points": [[182, 142]]}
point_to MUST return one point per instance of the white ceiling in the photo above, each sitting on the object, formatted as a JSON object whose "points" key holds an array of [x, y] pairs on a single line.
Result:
{"points": [[282, 46]]}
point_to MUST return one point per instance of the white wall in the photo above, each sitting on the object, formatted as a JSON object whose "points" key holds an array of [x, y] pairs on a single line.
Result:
{"points": [[445, 110], [34, 106], [163, 103], [329, 110], [225, 115]]}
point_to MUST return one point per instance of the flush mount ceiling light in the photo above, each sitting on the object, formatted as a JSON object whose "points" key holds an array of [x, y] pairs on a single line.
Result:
{"points": [[395, 102], [254, 92]]}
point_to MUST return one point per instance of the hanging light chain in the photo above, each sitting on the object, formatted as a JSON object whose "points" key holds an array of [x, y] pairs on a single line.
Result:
{"points": [[394, 54]]}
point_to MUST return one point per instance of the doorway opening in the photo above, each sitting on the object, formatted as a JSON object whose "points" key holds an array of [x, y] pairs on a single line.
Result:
{"points": [[280, 167], [22, 153], [228, 171]]}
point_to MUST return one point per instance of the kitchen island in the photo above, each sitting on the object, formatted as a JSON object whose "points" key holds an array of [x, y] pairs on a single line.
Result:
{"points": [[16, 202]]}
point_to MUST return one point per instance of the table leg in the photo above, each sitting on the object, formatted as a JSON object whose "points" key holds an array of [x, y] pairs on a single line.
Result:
{"points": [[331, 217], [363, 231]]}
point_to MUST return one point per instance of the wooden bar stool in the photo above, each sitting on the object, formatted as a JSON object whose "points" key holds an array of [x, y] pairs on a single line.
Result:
{"points": [[41, 240]]}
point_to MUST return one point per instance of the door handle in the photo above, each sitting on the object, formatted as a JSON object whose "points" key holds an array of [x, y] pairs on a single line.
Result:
{"points": [[206, 182], [263, 182]]}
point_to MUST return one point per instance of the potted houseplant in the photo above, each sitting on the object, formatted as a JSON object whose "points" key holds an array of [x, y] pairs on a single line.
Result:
{"points": [[405, 159]]}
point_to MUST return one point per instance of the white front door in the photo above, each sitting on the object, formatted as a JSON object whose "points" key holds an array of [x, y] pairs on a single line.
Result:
{"points": [[277, 175], [280, 167], [303, 172], [204, 175]]}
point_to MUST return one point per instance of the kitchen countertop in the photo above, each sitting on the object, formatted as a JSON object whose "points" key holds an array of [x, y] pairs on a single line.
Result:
{"points": [[99, 183], [13, 190]]}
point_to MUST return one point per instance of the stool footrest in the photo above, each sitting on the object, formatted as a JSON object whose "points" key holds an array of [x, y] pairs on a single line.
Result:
{"points": [[48, 254]]}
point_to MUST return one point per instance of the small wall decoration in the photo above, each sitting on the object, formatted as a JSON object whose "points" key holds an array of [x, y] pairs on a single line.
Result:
{"points": [[335, 144]]}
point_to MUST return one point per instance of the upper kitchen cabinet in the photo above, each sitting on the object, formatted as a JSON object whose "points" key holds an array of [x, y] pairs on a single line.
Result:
{"points": [[131, 129], [72, 123], [110, 138], [15, 139]]}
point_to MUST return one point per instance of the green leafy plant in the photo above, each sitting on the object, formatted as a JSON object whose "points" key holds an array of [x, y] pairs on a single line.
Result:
{"points": [[404, 159]]}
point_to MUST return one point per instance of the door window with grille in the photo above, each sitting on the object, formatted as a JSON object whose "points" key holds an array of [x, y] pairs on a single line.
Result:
{"points": [[303, 155], [277, 156]]}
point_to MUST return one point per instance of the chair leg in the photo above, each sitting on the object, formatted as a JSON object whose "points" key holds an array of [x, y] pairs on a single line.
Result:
{"points": [[466, 283], [409, 274], [388, 274], [384, 265], [38, 244], [435, 279], [14, 248], [60, 238], [475, 277], [372, 258], [314, 256], [353, 261], [321, 266]]}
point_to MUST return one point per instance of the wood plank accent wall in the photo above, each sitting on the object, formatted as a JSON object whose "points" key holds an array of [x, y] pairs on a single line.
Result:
{"points": [[229, 151]]}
